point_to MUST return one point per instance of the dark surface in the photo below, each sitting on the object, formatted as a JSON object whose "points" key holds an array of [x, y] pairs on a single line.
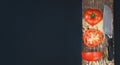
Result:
{"points": [[45, 32], [117, 31]]}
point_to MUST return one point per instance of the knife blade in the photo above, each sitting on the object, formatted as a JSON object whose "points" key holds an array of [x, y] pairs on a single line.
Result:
{"points": [[108, 29]]}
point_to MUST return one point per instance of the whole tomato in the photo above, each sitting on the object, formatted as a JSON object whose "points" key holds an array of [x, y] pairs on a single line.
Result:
{"points": [[92, 37], [92, 56], [92, 16]]}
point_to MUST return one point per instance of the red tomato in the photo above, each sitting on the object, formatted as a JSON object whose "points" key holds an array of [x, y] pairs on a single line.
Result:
{"points": [[92, 56], [92, 16], [92, 37]]}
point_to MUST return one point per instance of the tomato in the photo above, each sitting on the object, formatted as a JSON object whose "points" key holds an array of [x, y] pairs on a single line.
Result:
{"points": [[92, 56], [92, 37], [92, 16]]}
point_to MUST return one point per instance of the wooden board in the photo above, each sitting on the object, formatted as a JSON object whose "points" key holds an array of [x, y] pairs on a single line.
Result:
{"points": [[97, 4]]}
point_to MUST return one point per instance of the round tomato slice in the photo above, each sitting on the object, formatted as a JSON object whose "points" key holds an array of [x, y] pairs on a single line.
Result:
{"points": [[92, 37], [92, 16], [92, 56]]}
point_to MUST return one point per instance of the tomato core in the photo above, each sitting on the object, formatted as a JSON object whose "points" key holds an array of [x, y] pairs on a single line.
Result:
{"points": [[93, 15]]}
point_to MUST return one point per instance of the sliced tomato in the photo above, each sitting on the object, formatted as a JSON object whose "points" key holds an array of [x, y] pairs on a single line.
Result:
{"points": [[92, 56], [92, 16], [92, 37]]}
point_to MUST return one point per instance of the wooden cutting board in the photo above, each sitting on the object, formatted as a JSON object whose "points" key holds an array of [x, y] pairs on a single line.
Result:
{"points": [[97, 4]]}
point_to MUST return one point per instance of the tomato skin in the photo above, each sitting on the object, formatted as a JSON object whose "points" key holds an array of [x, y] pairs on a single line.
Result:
{"points": [[92, 37], [92, 56], [92, 20]]}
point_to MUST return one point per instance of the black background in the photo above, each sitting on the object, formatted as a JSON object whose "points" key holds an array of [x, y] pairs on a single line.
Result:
{"points": [[45, 32]]}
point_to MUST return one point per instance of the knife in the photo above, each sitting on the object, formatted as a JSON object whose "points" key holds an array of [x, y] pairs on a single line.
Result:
{"points": [[108, 29]]}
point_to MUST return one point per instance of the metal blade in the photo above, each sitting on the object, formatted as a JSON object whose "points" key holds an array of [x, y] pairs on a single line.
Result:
{"points": [[107, 21]]}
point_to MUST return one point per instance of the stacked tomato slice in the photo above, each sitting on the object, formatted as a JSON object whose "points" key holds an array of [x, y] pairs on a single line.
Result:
{"points": [[92, 56], [92, 37]]}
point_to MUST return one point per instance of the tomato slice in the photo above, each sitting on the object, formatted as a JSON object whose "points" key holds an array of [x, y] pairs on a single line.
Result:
{"points": [[92, 16], [92, 37], [92, 56]]}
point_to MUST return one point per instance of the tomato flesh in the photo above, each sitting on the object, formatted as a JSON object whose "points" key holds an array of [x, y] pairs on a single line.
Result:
{"points": [[92, 37], [92, 56]]}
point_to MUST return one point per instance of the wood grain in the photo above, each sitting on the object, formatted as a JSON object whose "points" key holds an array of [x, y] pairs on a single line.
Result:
{"points": [[97, 4]]}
